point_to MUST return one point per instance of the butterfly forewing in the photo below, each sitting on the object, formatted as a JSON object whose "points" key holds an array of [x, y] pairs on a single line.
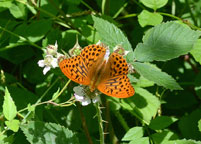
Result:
{"points": [[75, 69], [114, 81]]}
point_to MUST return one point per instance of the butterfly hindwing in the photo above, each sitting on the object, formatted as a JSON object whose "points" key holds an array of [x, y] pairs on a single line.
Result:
{"points": [[118, 86], [114, 82]]}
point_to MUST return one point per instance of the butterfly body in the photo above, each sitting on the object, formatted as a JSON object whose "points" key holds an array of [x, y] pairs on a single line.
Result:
{"points": [[93, 68]]}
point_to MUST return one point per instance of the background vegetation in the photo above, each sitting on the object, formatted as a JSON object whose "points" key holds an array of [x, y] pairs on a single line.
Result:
{"points": [[165, 50]]}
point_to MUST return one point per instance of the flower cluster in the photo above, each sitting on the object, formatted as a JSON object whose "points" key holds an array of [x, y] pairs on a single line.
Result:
{"points": [[50, 59], [84, 96]]}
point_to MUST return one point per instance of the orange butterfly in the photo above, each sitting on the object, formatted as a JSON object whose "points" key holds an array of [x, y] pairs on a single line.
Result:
{"points": [[91, 68]]}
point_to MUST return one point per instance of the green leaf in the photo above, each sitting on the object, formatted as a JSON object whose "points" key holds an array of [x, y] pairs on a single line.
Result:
{"points": [[18, 54], [166, 41], [154, 4], [48, 133], [31, 108], [18, 10], [148, 18], [143, 82], [154, 74], [13, 125], [34, 31], [196, 51], [5, 4], [184, 141], [133, 133], [9, 108], [161, 122], [37, 29], [188, 125], [112, 36], [143, 104], [199, 125], [165, 135], [22, 97], [142, 140], [55, 94]]}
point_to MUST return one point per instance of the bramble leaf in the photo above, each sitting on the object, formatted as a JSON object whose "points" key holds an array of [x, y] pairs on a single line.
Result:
{"points": [[112, 35], [166, 41], [147, 18], [154, 4], [48, 133], [152, 73], [9, 108]]}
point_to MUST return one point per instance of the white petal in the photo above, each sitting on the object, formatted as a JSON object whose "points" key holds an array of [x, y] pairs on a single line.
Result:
{"points": [[79, 98], [59, 55], [96, 99], [86, 101], [41, 63], [54, 63], [56, 45], [126, 52], [46, 69], [106, 57]]}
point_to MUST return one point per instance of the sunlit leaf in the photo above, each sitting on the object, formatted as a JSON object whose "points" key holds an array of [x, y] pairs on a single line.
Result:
{"points": [[9, 108], [142, 140], [166, 41], [48, 133], [147, 18], [143, 104], [13, 125], [154, 4], [112, 35], [133, 133], [196, 51], [155, 74]]}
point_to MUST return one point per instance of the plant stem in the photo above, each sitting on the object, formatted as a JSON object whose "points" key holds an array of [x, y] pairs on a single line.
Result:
{"points": [[192, 16], [84, 124], [100, 120], [121, 120], [62, 90], [38, 101], [20, 37]]}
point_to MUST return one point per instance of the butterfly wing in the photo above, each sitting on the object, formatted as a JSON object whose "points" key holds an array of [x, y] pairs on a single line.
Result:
{"points": [[75, 69], [114, 81], [80, 68]]}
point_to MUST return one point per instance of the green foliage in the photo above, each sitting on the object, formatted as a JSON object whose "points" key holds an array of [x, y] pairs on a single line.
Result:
{"points": [[133, 133], [147, 18], [196, 51], [111, 35], [166, 41], [154, 74], [154, 4], [162, 40], [51, 133], [144, 105], [161, 122], [9, 108]]}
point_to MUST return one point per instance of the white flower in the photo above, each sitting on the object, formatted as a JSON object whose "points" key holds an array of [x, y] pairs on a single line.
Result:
{"points": [[52, 49], [96, 99], [85, 100], [48, 63]]}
